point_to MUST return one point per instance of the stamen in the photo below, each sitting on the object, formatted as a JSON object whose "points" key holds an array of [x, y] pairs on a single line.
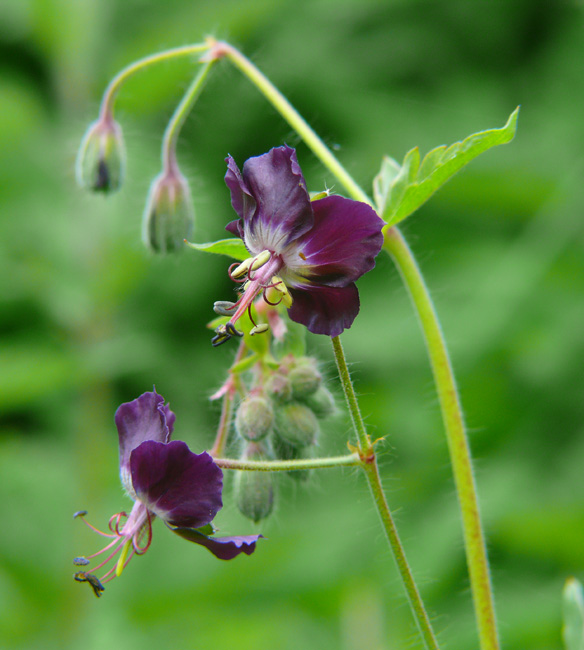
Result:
{"points": [[80, 513], [241, 269], [81, 561], [259, 329], [260, 260], [93, 581], [224, 307], [280, 286], [122, 560]]}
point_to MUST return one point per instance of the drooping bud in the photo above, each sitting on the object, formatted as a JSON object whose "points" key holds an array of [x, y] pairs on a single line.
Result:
{"points": [[169, 214], [254, 418], [279, 388], [321, 403], [296, 424], [254, 491], [305, 380], [101, 161]]}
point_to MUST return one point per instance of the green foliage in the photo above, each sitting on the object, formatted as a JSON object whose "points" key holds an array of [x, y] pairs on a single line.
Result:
{"points": [[573, 605], [401, 190], [232, 247]]}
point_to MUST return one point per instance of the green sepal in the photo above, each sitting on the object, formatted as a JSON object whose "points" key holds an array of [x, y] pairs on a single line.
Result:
{"points": [[233, 247], [573, 607], [401, 190], [190, 534]]}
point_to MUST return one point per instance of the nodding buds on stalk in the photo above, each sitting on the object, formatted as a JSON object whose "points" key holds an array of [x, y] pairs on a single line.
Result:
{"points": [[296, 424], [254, 491], [101, 161], [169, 215]]}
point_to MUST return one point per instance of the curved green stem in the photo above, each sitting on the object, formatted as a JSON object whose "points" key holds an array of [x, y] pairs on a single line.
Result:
{"points": [[478, 566], [180, 114], [288, 465], [122, 76]]}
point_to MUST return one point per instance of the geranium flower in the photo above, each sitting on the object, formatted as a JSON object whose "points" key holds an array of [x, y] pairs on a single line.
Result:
{"points": [[304, 253], [166, 480]]}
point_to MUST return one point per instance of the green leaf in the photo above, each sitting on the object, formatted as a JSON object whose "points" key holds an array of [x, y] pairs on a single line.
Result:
{"points": [[573, 606], [399, 191], [244, 364], [233, 247]]}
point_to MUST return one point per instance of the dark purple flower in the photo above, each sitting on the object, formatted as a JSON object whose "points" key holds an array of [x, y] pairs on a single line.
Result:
{"points": [[306, 253], [166, 480]]}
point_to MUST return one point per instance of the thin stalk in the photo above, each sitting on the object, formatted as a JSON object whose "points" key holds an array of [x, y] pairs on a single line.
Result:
{"points": [[179, 116], [458, 446], [351, 398], [367, 453], [288, 465], [122, 76]]}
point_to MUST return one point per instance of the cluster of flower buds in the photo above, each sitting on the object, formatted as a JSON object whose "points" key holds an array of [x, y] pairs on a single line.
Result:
{"points": [[279, 420]]}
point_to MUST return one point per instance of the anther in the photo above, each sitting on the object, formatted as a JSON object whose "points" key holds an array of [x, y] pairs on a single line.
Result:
{"points": [[260, 259], [242, 269], [280, 286], [81, 561], [224, 307], [80, 513], [259, 329], [230, 329], [96, 585]]}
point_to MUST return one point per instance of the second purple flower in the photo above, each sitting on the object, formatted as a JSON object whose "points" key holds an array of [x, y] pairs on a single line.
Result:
{"points": [[307, 254]]}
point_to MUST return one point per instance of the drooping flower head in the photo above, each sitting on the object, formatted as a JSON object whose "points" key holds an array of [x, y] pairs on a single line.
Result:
{"points": [[307, 254], [166, 480]]}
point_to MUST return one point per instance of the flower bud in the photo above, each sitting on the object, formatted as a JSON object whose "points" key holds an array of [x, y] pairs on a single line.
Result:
{"points": [[321, 403], [101, 161], [305, 380], [254, 491], [279, 388], [254, 418], [169, 215], [296, 424]]}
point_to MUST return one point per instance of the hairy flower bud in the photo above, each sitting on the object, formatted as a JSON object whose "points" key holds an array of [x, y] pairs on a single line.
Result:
{"points": [[169, 215], [321, 403], [254, 491], [305, 380], [296, 424], [279, 388], [254, 418], [101, 161]]}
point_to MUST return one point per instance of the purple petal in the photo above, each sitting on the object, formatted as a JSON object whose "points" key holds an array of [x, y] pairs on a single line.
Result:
{"points": [[180, 487], [145, 418], [340, 247], [225, 548], [283, 205], [242, 199], [234, 227], [325, 310]]}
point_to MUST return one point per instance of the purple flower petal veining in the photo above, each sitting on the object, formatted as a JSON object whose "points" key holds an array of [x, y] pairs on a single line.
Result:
{"points": [[145, 418], [180, 487]]}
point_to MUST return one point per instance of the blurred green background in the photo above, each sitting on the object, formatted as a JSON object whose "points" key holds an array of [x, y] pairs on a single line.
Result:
{"points": [[89, 319]]}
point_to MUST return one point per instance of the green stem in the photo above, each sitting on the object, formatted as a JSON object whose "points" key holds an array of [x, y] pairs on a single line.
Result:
{"points": [[347, 384], [287, 465], [116, 83], [460, 457], [179, 116], [369, 460]]}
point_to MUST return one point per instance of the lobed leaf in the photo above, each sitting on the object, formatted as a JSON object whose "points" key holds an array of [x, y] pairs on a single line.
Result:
{"points": [[400, 190]]}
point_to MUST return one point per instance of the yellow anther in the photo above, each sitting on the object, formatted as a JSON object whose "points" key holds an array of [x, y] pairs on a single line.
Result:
{"points": [[280, 286], [259, 329], [260, 259], [242, 269]]}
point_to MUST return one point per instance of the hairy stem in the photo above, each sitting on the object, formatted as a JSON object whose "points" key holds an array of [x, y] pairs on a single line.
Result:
{"points": [[460, 457], [287, 465], [179, 116], [122, 76]]}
